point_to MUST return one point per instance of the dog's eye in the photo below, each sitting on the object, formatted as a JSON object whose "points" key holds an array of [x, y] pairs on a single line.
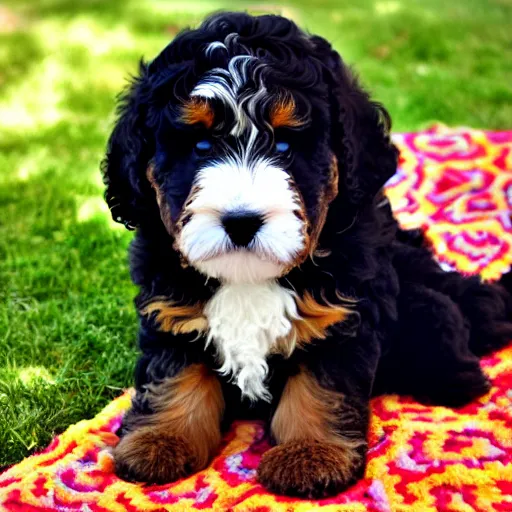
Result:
{"points": [[282, 147], [203, 146]]}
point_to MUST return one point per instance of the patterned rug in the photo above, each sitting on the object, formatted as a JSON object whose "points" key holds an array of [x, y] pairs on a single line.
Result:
{"points": [[457, 186]]}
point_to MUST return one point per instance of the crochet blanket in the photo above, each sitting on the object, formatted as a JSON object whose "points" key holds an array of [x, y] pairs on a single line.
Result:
{"points": [[457, 186]]}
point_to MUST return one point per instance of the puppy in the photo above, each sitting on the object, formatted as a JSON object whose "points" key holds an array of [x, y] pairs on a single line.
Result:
{"points": [[274, 281]]}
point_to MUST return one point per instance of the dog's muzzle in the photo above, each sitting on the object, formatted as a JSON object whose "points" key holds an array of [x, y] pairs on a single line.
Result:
{"points": [[243, 223]]}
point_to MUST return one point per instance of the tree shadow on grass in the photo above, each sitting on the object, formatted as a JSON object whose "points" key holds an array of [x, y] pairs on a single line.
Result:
{"points": [[65, 307], [111, 10], [139, 17], [21, 51]]}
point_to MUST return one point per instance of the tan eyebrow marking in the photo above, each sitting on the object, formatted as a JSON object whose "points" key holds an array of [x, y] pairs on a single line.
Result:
{"points": [[284, 113], [197, 110]]}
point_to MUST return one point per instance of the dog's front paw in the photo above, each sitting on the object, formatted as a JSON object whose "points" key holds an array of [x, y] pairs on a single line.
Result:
{"points": [[152, 457], [310, 469]]}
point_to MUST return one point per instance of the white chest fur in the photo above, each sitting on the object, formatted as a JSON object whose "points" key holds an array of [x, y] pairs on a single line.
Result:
{"points": [[245, 321]]}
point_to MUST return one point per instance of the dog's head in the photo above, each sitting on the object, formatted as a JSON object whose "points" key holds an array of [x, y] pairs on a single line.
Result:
{"points": [[239, 135]]}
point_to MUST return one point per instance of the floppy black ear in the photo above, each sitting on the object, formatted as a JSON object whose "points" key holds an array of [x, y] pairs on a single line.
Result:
{"points": [[129, 150], [359, 131]]}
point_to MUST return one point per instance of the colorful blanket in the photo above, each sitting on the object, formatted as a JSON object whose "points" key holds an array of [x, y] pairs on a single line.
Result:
{"points": [[457, 186]]}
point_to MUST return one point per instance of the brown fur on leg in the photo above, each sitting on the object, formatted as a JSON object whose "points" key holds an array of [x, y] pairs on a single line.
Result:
{"points": [[315, 459], [182, 434], [309, 411], [153, 457], [308, 468]]}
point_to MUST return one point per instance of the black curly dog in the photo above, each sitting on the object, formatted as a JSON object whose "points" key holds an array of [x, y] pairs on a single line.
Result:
{"points": [[251, 164]]}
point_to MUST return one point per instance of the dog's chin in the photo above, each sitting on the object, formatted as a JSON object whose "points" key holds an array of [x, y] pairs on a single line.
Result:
{"points": [[240, 267]]}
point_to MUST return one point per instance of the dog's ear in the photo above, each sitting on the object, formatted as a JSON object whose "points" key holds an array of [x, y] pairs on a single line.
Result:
{"points": [[359, 131], [129, 150]]}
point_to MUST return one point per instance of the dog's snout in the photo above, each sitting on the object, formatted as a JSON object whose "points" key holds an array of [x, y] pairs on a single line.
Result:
{"points": [[242, 226]]}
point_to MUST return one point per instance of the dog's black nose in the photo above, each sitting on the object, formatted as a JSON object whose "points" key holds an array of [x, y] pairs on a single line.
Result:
{"points": [[242, 226]]}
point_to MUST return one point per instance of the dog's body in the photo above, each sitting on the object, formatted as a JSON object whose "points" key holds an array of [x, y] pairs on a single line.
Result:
{"points": [[274, 281]]}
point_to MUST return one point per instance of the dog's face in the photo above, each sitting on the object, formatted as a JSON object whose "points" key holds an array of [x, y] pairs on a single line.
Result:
{"points": [[232, 167], [230, 132]]}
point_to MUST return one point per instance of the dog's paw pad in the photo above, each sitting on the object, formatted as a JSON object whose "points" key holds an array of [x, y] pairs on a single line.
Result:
{"points": [[309, 469]]}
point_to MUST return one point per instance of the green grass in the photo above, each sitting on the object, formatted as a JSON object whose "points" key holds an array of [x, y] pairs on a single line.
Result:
{"points": [[67, 325]]}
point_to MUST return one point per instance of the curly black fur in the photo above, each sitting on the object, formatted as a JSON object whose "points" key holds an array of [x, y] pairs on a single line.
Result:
{"points": [[420, 330]]}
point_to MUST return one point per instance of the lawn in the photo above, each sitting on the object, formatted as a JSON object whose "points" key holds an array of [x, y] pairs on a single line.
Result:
{"points": [[67, 325]]}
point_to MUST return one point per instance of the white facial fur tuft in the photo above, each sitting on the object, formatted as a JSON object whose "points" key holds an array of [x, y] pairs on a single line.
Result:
{"points": [[232, 185], [245, 321]]}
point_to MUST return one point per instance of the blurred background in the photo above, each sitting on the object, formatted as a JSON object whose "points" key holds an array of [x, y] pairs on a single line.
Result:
{"points": [[67, 324]]}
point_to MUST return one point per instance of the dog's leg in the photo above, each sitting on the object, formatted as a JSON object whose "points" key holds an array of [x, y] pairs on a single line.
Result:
{"points": [[486, 307], [431, 357], [320, 423], [173, 428]]}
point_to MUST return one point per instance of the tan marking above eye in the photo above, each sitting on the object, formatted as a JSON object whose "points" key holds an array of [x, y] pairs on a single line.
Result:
{"points": [[284, 113], [197, 110]]}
